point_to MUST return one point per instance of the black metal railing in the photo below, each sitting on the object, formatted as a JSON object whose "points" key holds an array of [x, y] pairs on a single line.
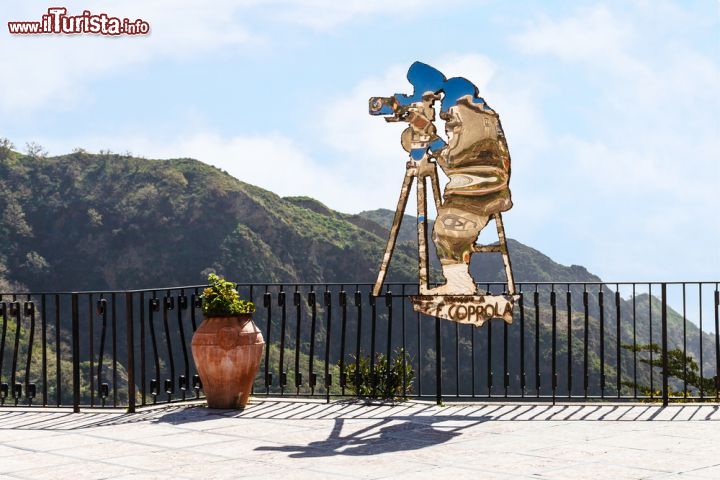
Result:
{"points": [[623, 341]]}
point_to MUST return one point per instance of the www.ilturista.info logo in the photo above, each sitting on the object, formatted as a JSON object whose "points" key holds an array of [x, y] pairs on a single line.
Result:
{"points": [[57, 21]]}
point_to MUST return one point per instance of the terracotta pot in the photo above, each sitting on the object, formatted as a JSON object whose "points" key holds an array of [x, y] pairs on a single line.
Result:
{"points": [[227, 352]]}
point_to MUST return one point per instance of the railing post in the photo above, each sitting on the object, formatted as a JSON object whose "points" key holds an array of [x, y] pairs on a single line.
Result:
{"points": [[438, 363], [130, 351], [665, 394], [75, 353]]}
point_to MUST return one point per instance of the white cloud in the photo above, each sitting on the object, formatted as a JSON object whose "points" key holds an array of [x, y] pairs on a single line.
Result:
{"points": [[52, 71], [641, 164], [348, 125], [478, 68], [374, 145], [368, 145], [613, 46], [271, 161], [639, 169], [325, 14], [368, 164], [659, 113], [590, 35], [621, 180], [55, 71]]}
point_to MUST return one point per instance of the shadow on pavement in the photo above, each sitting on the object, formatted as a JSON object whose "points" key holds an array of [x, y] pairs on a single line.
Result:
{"points": [[381, 437], [409, 413]]}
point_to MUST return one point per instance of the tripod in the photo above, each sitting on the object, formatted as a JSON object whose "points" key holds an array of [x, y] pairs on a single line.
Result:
{"points": [[422, 169]]}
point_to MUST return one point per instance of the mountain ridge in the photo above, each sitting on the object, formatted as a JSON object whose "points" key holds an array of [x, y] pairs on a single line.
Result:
{"points": [[119, 213], [111, 222]]}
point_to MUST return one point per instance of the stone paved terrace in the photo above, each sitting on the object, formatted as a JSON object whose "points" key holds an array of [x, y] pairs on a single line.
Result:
{"points": [[347, 440]]}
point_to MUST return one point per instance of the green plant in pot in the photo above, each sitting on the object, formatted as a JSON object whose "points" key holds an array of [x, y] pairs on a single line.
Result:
{"points": [[227, 346]]}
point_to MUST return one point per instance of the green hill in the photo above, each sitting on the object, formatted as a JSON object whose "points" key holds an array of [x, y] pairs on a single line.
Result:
{"points": [[94, 222], [529, 265], [85, 221]]}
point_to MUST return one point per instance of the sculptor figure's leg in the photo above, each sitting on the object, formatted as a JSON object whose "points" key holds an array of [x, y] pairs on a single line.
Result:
{"points": [[454, 234]]}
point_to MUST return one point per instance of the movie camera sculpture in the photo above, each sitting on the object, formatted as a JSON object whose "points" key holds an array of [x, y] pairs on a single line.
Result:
{"points": [[476, 160]]}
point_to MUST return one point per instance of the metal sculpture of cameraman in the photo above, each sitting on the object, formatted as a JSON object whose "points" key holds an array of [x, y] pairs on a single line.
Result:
{"points": [[477, 162]]}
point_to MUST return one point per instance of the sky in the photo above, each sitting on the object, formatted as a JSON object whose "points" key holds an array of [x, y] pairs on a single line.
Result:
{"points": [[611, 109]]}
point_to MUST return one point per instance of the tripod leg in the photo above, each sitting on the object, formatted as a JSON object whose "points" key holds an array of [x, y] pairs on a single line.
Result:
{"points": [[504, 251], [422, 235], [394, 230], [435, 183]]}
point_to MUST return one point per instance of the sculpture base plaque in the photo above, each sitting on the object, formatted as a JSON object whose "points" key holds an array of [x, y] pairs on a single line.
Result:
{"points": [[470, 309]]}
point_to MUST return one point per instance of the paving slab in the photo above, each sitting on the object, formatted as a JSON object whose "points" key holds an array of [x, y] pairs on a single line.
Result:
{"points": [[298, 438]]}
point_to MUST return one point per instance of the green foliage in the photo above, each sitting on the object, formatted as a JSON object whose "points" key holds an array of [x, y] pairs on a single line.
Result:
{"points": [[221, 299], [681, 367], [6, 147], [289, 369], [119, 214], [35, 150], [388, 376], [135, 208]]}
